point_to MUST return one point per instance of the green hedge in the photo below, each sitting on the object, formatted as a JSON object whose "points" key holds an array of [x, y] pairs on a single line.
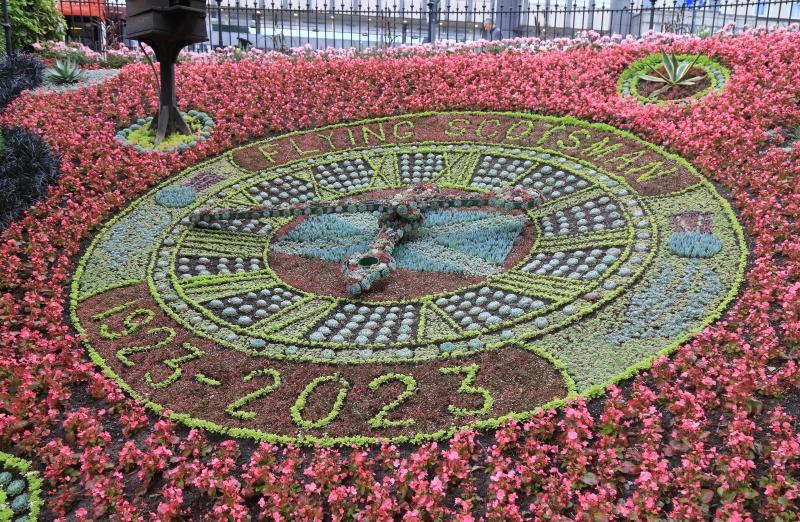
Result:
{"points": [[35, 21]]}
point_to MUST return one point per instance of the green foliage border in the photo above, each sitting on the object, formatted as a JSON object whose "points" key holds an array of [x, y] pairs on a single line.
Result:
{"points": [[494, 423], [630, 76]]}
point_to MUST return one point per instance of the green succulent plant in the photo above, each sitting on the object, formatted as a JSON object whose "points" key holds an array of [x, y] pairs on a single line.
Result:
{"points": [[675, 73], [64, 73], [704, 32]]}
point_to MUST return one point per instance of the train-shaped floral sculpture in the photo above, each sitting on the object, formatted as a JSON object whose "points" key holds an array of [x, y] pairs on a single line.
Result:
{"points": [[400, 216]]}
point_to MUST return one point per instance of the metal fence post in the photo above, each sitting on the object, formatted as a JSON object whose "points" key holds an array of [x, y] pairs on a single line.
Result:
{"points": [[431, 21], [219, 23], [7, 30], [652, 13], [546, 19]]}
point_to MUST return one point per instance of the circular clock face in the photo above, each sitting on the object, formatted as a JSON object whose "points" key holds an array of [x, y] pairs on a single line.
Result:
{"points": [[247, 325]]}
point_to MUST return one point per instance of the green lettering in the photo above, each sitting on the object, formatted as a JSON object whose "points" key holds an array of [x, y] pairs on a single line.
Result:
{"points": [[626, 159], [366, 131], [299, 150], [466, 387], [550, 131], [525, 132], [651, 171], [328, 139], [575, 141], [268, 155], [479, 131], [407, 134], [454, 131], [601, 148]]}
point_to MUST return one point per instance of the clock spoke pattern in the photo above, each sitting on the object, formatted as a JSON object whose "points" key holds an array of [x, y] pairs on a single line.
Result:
{"points": [[594, 215], [244, 324], [368, 324], [246, 309], [489, 305], [574, 264], [420, 167], [345, 176]]}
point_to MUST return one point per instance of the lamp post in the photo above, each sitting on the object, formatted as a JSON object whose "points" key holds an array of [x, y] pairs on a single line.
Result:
{"points": [[432, 19], [257, 16], [7, 29]]}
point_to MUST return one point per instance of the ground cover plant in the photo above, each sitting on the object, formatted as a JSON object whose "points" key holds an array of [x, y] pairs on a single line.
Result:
{"points": [[18, 73], [224, 427], [141, 136], [27, 168]]}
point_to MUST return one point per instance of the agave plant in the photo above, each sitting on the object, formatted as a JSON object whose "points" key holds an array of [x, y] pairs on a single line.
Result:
{"points": [[63, 73], [674, 75]]}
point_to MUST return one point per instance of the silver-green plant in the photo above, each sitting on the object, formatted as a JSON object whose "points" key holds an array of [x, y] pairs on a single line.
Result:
{"points": [[64, 73], [674, 75], [704, 32]]}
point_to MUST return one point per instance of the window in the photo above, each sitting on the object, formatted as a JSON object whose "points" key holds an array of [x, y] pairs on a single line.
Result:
{"points": [[795, 12], [761, 8]]}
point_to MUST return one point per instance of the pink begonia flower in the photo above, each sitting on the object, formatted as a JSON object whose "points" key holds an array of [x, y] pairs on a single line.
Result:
{"points": [[677, 441]]}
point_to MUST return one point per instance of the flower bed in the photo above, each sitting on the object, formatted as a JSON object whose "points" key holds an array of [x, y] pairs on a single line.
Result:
{"points": [[705, 433], [84, 56], [713, 79], [141, 136]]}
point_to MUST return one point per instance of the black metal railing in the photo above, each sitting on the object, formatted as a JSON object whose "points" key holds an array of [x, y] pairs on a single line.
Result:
{"points": [[255, 23]]}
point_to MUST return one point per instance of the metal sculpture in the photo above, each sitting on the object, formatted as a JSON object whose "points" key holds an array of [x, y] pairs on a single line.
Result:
{"points": [[167, 26]]}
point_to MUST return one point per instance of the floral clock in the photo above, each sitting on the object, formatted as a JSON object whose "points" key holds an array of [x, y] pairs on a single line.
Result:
{"points": [[707, 76], [244, 324]]}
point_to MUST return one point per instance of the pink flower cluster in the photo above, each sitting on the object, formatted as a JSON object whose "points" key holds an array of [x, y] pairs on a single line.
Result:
{"points": [[706, 433]]}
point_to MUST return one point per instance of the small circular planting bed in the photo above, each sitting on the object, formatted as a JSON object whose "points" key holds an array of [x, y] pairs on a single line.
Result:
{"points": [[141, 136], [712, 78]]}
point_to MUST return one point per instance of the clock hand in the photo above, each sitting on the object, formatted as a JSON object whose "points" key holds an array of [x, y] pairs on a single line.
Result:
{"points": [[400, 216], [517, 197]]}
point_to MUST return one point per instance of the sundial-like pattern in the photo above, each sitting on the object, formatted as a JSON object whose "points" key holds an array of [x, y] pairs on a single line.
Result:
{"points": [[554, 182], [368, 324], [243, 324], [248, 308], [486, 306], [203, 266], [451, 241], [494, 171]]}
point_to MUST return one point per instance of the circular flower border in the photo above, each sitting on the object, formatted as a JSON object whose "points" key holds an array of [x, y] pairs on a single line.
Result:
{"points": [[629, 79], [208, 124], [170, 199]]}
